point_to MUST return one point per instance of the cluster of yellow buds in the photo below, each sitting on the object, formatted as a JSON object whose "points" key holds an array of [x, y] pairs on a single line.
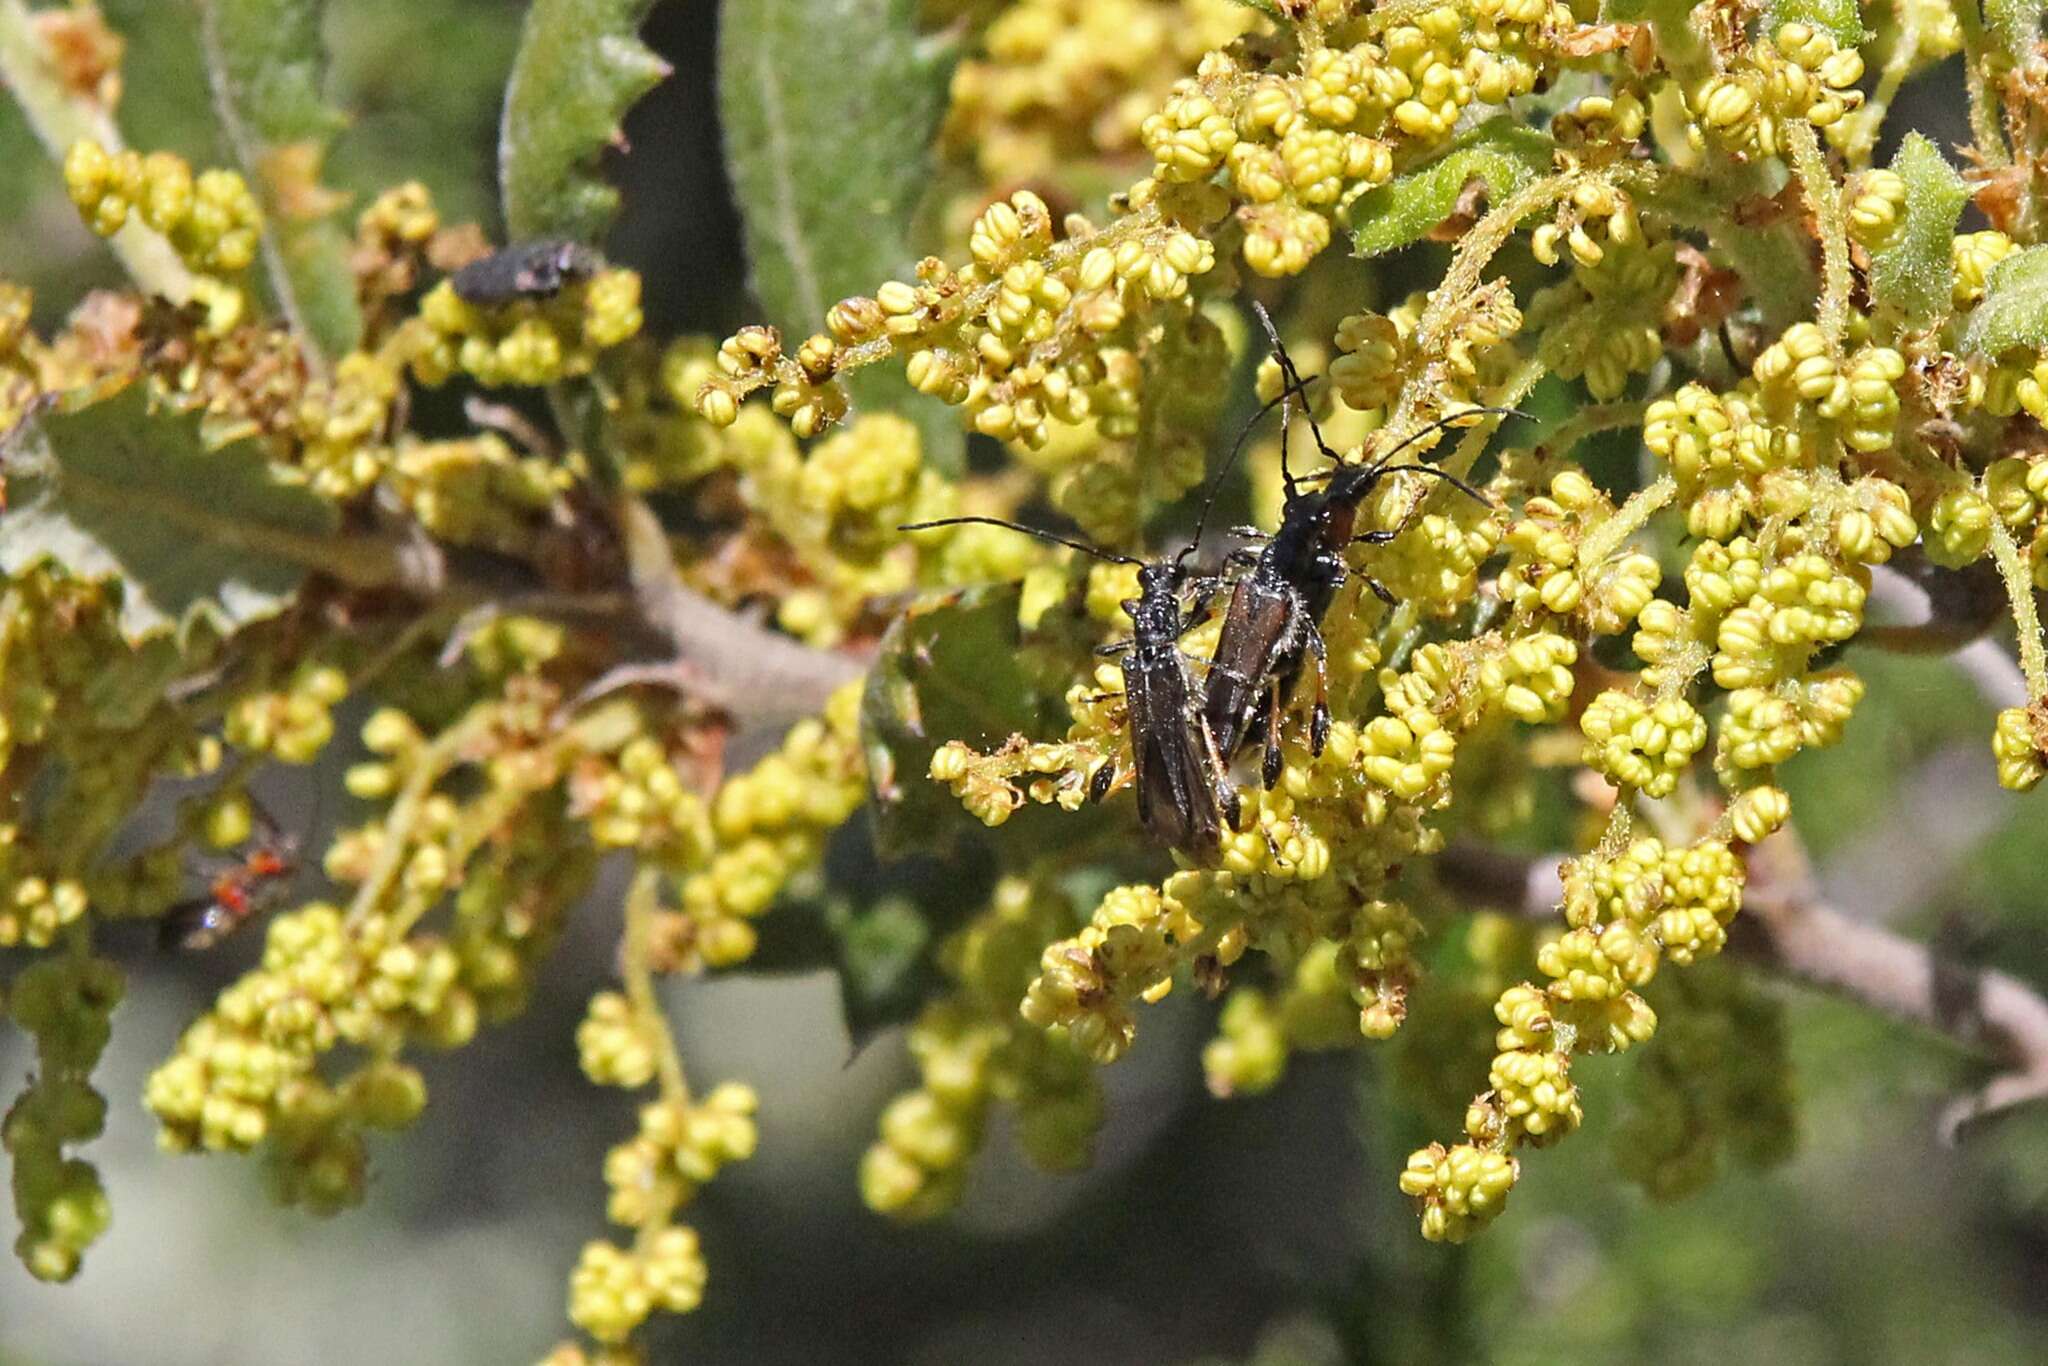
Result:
{"points": [[1086, 984], [1643, 745], [1973, 255], [614, 1290], [2021, 749], [247, 1070], [65, 1003], [1377, 353], [1433, 565], [1019, 338], [292, 723], [680, 1146], [477, 490], [1563, 562], [525, 342], [636, 799], [1606, 322], [1313, 1011], [1625, 912], [1800, 74], [987, 784], [1296, 147], [769, 825], [972, 1050], [1766, 727], [211, 219], [338, 420], [1716, 446], [1057, 80], [838, 506], [34, 909], [1877, 208], [1802, 382], [392, 239], [1460, 1189]]}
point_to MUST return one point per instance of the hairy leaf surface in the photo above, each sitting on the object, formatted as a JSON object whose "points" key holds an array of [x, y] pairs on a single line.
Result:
{"points": [[1916, 274], [2015, 307], [191, 533], [2016, 24], [1501, 153], [1842, 18], [580, 67]]}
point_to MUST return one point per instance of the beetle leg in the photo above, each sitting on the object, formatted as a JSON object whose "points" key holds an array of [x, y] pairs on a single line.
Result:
{"points": [[1319, 716], [1115, 647], [1270, 768], [1219, 772], [1381, 591], [1374, 537]]}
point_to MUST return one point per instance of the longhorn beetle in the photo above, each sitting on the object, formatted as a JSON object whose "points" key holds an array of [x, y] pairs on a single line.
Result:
{"points": [[1184, 797], [1274, 617]]}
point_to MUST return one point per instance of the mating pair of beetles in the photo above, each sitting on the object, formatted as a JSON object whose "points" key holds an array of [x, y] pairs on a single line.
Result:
{"points": [[1182, 747]]}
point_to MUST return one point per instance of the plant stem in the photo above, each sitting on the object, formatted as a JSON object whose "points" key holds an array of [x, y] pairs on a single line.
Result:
{"points": [[1984, 131], [2019, 591], [1627, 520], [62, 118], [1824, 201], [643, 902], [428, 768]]}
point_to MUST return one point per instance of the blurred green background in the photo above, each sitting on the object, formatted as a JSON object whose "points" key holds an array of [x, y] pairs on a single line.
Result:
{"points": [[1266, 1230]]}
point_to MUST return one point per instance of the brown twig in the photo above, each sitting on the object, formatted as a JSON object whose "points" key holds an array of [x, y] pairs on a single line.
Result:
{"points": [[720, 657], [1789, 931]]}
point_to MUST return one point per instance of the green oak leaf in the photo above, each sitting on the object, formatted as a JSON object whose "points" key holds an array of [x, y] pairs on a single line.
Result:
{"points": [[829, 109], [1500, 152], [266, 63], [580, 67], [1916, 274], [2015, 307], [191, 533], [959, 667], [1842, 18]]}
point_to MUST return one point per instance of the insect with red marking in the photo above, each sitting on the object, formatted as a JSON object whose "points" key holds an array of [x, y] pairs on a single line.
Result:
{"points": [[237, 893]]}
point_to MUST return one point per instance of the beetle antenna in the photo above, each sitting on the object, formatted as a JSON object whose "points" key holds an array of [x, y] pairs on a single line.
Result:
{"points": [[1453, 480], [1437, 425], [1293, 384], [1236, 449], [1055, 538], [1446, 421]]}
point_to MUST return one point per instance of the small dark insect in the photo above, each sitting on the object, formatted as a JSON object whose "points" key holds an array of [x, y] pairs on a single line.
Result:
{"points": [[525, 270], [1274, 618], [1184, 797], [237, 893]]}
